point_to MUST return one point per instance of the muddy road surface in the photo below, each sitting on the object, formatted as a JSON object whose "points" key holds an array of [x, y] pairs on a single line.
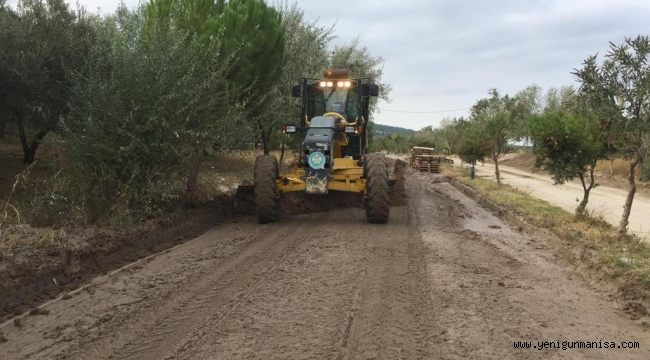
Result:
{"points": [[444, 279]]}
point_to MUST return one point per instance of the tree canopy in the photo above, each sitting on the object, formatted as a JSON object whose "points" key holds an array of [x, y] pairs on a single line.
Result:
{"points": [[618, 91]]}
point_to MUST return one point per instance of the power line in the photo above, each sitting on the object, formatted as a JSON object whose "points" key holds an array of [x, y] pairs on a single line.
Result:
{"points": [[423, 112]]}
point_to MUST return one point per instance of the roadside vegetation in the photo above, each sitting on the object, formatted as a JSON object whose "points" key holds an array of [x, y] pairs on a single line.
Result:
{"points": [[111, 119], [593, 240], [573, 131]]}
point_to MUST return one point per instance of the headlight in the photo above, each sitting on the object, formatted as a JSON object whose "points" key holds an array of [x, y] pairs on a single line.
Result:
{"points": [[349, 129]]}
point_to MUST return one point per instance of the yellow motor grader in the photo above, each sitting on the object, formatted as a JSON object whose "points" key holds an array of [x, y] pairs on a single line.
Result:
{"points": [[333, 128]]}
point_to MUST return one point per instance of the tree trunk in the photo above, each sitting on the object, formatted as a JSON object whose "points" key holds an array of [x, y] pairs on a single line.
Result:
{"points": [[28, 155], [281, 154], [265, 141], [496, 168], [611, 168], [580, 211], [29, 149], [622, 227], [192, 184]]}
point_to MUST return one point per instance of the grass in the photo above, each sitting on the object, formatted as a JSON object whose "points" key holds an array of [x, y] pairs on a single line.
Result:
{"points": [[15, 235], [224, 172], [618, 168], [627, 257], [34, 211]]}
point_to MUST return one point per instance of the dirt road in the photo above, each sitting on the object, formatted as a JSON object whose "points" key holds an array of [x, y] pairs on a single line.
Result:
{"points": [[603, 201], [443, 280]]}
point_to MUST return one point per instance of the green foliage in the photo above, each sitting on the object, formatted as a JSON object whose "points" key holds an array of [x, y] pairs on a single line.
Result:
{"points": [[447, 136], [305, 46], [424, 137], [472, 142], [254, 31], [618, 93], [142, 96], [147, 104], [495, 116], [527, 102], [380, 130], [252, 37], [53, 201], [362, 64], [566, 145], [42, 43], [559, 99], [195, 16], [394, 143], [445, 139]]}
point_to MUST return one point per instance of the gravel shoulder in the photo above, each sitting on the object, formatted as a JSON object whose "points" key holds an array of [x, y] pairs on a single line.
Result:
{"points": [[443, 279]]}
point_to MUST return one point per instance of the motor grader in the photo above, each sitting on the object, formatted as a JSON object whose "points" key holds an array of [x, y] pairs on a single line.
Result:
{"points": [[333, 156]]}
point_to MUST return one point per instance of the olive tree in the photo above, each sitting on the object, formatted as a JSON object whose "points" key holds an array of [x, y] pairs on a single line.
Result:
{"points": [[255, 32], [568, 145], [305, 48], [146, 104], [495, 117], [447, 136], [473, 145], [362, 64], [250, 38], [43, 43], [618, 90]]}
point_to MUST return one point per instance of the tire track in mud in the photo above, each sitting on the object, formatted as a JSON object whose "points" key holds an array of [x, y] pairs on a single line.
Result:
{"points": [[216, 294], [352, 290], [494, 286], [443, 279], [391, 307]]}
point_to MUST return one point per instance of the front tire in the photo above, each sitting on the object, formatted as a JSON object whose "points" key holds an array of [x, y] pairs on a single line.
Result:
{"points": [[377, 190], [266, 192]]}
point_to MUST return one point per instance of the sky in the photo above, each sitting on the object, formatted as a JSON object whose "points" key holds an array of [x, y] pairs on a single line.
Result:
{"points": [[441, 56]]}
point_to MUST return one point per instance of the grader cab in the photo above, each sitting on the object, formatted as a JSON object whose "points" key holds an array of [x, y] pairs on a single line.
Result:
{"points": [[333, 129]]}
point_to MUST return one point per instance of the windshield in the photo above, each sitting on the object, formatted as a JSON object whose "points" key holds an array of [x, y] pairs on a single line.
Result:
{"points": [[340, 100], [336, 100]]}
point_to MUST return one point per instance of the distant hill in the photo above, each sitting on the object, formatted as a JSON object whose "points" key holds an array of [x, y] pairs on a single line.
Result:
{"points": [[380, 130]]}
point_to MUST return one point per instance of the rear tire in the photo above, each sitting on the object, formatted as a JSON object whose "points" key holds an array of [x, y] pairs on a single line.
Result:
{"points": [[266, 192], [377, 195]]}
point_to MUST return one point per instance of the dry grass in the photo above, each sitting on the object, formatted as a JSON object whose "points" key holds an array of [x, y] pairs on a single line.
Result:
{"points": [[223, 173], [628, 256], [15, 236], [219, 175], [618, 168]]}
